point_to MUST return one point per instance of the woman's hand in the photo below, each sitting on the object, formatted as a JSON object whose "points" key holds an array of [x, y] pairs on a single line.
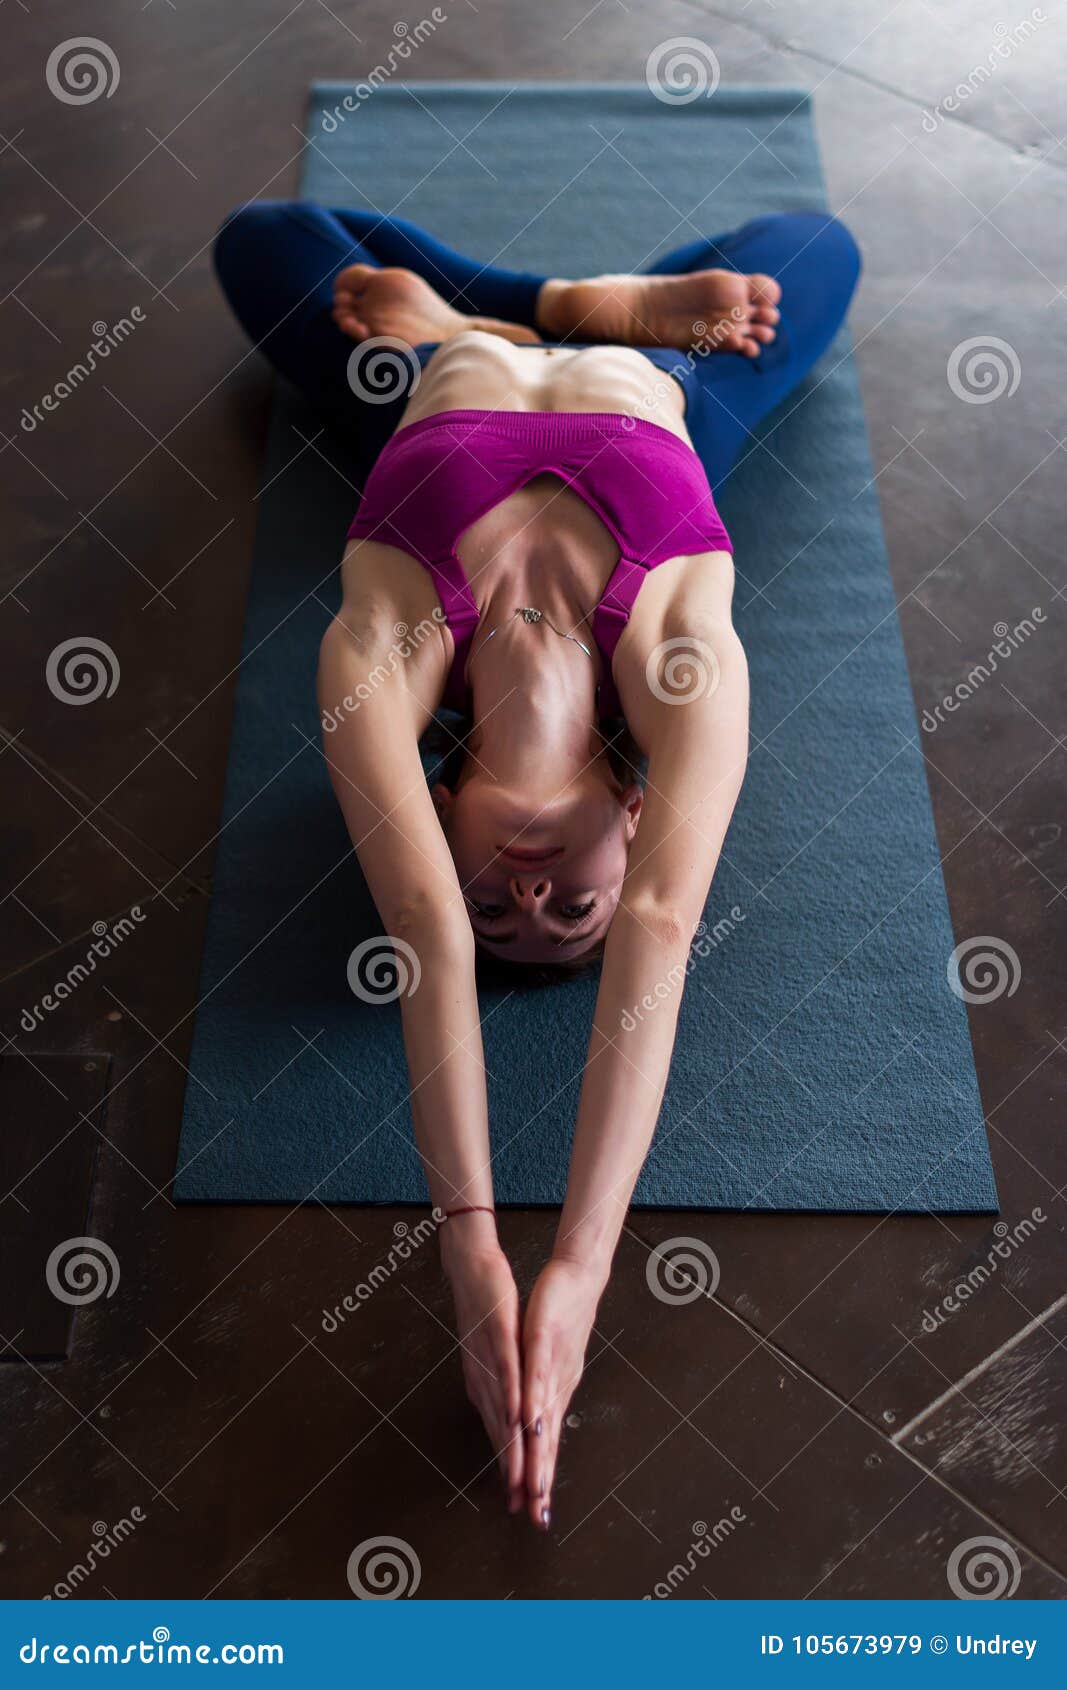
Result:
{"points": [[487, 1324], [559, 1319]]}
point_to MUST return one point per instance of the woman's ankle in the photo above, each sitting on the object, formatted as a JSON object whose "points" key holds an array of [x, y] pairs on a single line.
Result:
{"points": [[552, 313]]}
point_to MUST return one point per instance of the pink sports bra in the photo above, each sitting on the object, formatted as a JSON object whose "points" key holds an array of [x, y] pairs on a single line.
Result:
{"points": [[435, 478]]}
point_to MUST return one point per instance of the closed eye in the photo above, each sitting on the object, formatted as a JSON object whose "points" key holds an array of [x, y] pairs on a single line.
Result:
{"points": [[577, 912]]}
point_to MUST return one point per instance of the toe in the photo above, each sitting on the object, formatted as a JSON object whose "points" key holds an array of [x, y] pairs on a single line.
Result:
{"points": [[765, 314], [765, 288], [760, 332]]}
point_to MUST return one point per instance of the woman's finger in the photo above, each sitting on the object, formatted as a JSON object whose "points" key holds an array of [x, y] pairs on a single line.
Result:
{"points": [[509, 1388], [535, 1395]]}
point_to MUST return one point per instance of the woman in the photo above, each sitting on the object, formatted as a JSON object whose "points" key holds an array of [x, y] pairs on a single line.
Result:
{"points": [[542, 500]]}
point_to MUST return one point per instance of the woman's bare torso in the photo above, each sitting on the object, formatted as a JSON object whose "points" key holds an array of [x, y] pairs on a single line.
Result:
{"points": [[476, 371]]}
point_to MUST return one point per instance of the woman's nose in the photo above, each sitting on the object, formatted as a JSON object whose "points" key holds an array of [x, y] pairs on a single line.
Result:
{"points": [[529, 890]]}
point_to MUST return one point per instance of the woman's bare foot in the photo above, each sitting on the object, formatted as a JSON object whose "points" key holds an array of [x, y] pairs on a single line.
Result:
{"points": [[369, 302], [710, 310]]}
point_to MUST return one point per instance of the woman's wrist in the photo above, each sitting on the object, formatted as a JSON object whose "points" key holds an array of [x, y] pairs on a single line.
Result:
{"points": [[590, 1265], [467, 1235]]}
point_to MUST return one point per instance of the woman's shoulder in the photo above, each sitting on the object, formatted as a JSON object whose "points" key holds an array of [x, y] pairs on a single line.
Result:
{"points": [[676, 598], [390, 608]]}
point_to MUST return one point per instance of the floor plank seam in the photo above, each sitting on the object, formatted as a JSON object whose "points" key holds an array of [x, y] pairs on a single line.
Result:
{"points": [[980, 1368], [931, 1473]]}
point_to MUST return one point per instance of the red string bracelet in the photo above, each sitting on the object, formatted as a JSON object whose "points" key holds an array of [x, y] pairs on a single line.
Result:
{"points": [[470, 1209]]}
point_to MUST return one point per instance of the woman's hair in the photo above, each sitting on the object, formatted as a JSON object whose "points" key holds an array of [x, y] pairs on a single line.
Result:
{"points": [[444, 751]]}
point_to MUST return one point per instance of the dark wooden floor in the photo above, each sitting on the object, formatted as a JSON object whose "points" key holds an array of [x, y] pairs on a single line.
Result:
{"points": [[857, 1448]]}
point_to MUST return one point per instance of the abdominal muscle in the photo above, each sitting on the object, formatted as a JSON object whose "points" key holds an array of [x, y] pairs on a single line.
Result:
{"points": [[480, 372]]}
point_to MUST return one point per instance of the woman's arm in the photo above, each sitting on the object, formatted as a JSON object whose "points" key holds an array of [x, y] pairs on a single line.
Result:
{"points": [[697, 753], [372, 755], [378, 693]]}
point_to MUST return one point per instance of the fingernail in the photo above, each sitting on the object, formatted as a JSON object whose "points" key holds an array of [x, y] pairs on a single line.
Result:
{"points": [[537, 1427], [546, 1518]]}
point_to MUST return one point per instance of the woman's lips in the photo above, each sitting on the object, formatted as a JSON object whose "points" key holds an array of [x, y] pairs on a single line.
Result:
{"points": [[518, 854]]}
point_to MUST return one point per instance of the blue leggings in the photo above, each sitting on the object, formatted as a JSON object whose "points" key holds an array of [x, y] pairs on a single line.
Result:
{"points": [[276, 261]]}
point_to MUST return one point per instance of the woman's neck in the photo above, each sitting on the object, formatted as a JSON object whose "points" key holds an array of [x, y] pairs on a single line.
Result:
{"points": [[533, 693]]}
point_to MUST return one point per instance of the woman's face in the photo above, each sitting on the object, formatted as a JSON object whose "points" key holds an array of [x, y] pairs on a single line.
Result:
{"points": [[541, 881]]}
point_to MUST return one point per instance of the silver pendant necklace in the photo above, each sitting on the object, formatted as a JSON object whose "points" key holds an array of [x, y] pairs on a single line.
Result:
{"points": [[529, 614]]}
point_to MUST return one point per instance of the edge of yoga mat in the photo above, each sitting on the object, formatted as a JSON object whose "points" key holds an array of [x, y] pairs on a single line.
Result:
{"points": [[207, 1178]]}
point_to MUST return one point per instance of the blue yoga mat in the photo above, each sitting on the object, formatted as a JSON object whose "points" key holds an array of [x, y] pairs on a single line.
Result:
{"points": [[822, 1061]]}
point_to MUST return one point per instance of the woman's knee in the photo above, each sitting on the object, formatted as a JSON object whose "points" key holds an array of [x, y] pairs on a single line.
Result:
{"points": [[836, 238], [248, 234]]}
